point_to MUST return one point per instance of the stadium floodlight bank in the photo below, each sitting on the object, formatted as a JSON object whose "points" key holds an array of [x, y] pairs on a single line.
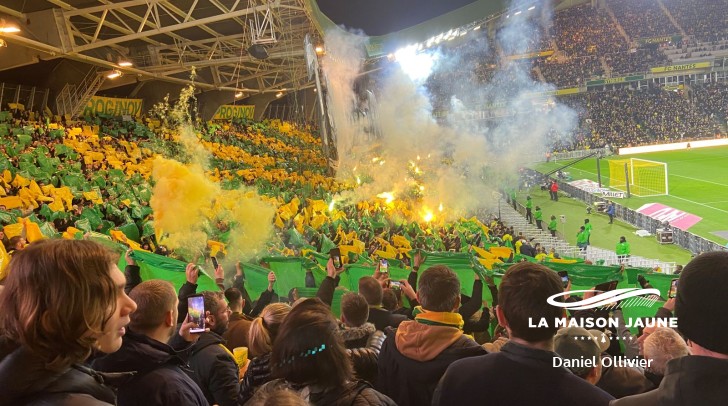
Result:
{"points": [[640, 177]]}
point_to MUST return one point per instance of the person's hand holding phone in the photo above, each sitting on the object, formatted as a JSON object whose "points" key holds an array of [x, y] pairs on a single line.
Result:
{"points": [[271, 280], [184, 330], [407, 289], [670, 304], [419, 260], [219, 272], [331, 270], [127, 257], [192, 273]]}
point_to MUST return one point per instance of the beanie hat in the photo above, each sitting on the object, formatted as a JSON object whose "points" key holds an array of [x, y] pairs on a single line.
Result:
{"points": [[699, 307]]}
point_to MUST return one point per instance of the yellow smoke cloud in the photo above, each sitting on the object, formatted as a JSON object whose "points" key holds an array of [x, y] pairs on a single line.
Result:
{"points": [[181, 197], [186, 204]]}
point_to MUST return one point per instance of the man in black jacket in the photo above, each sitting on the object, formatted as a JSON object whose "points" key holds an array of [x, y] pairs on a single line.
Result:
{"points": [[702, 377], [213, 364], [161, 373], [524, 372], [414, 357], [382, 318], [362, 340]]}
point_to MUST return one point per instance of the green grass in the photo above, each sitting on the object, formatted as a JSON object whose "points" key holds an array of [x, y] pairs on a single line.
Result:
{"points": [[604, 235], [698, 184]]}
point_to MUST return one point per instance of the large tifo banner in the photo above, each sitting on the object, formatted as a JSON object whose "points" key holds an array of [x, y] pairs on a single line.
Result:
{"points": [[231, 111], [111, 106], [687, 66]]}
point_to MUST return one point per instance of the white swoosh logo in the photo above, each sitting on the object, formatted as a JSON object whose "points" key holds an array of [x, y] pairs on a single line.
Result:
{"points": [[600, 299]]}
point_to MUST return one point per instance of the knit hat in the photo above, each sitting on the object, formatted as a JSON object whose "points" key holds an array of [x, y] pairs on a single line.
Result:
{"points": [[578, 343], [699, 307]]}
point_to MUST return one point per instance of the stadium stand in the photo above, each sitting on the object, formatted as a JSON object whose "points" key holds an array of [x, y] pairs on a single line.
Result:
{"points": [[77, 189]]}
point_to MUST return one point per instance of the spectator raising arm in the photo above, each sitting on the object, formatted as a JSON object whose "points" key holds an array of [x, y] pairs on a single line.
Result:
{"points": [[188, 289], [131, 272]]}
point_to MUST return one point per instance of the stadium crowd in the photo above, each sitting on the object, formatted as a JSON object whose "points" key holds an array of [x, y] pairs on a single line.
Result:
{"points": [[630, 118], [701, 19], [642, 19], [76, 330]]}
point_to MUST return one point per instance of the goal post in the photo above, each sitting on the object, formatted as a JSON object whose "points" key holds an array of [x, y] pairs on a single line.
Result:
{"points": [[645, 177], [649, 178]]}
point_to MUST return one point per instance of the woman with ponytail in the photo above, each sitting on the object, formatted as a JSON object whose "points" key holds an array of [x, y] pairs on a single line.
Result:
{"points": [[263, 331]]}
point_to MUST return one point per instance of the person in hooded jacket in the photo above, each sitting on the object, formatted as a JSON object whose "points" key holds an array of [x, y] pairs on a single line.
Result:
{"points": [[362, 341], [162, 376], [415, 356], [63, 299]]}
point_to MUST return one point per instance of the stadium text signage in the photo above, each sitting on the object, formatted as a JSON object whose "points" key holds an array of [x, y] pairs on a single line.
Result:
{"points": [[610, 81], [531, 55], [660, 40], [613, 194], [231, 111], [687, 66], [113, 107]]}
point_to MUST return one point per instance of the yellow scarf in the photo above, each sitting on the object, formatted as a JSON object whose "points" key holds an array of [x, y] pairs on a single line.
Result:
{"points": [[447, 319]]}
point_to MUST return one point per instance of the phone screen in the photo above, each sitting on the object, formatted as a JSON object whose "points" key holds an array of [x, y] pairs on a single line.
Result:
{"points": [[564, 278], [214, 262], [673, 289], [383, 266], [335, 255], [395, 285], [196, 311]]}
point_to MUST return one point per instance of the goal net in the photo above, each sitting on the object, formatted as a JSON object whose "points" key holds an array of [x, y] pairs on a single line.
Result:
{"points": [[645, 178]]}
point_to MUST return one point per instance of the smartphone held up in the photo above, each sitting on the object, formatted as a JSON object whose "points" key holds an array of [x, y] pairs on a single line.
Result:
{"points": [[196, 312], [335, 255]]}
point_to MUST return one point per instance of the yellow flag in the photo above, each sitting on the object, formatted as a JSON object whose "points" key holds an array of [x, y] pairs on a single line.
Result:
{"points": [[4, 260]]}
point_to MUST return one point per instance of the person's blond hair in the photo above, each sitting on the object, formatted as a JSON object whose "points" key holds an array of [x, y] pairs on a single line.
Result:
{"points": [[661, 346], [59, 295], [264, 328]]}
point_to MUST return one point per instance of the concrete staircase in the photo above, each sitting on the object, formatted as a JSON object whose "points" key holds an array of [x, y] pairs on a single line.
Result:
{"points": [[539, 74], [607, 68], [616, 23], [672, 19]]}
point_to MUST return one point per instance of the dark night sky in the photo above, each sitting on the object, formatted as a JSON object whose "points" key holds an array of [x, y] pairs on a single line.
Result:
{"points": [[380, 17]]}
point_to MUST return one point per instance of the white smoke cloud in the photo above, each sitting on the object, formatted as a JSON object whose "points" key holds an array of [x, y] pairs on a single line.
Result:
{"points": [[457, 162]]}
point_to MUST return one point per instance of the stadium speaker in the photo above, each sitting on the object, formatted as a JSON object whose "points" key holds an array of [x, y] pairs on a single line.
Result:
{"points": [[258, 51]]}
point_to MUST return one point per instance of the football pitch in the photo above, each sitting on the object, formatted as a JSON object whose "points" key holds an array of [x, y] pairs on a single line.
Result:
{"points": [[697, 184]]}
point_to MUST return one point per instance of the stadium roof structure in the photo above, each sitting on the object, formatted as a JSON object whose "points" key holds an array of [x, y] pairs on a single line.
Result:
{"points": [[474, 12], [165, 39]]}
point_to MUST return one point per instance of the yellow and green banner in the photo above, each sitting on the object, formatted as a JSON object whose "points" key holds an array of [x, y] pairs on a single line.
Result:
{"points": [[230, 111], [610, 81], [568, 90], [531, 55], [686, 66], [660, 39], [111, 106]]}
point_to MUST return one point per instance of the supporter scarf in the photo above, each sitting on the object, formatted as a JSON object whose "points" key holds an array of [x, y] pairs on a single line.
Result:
{"points": [[445, 319]]}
